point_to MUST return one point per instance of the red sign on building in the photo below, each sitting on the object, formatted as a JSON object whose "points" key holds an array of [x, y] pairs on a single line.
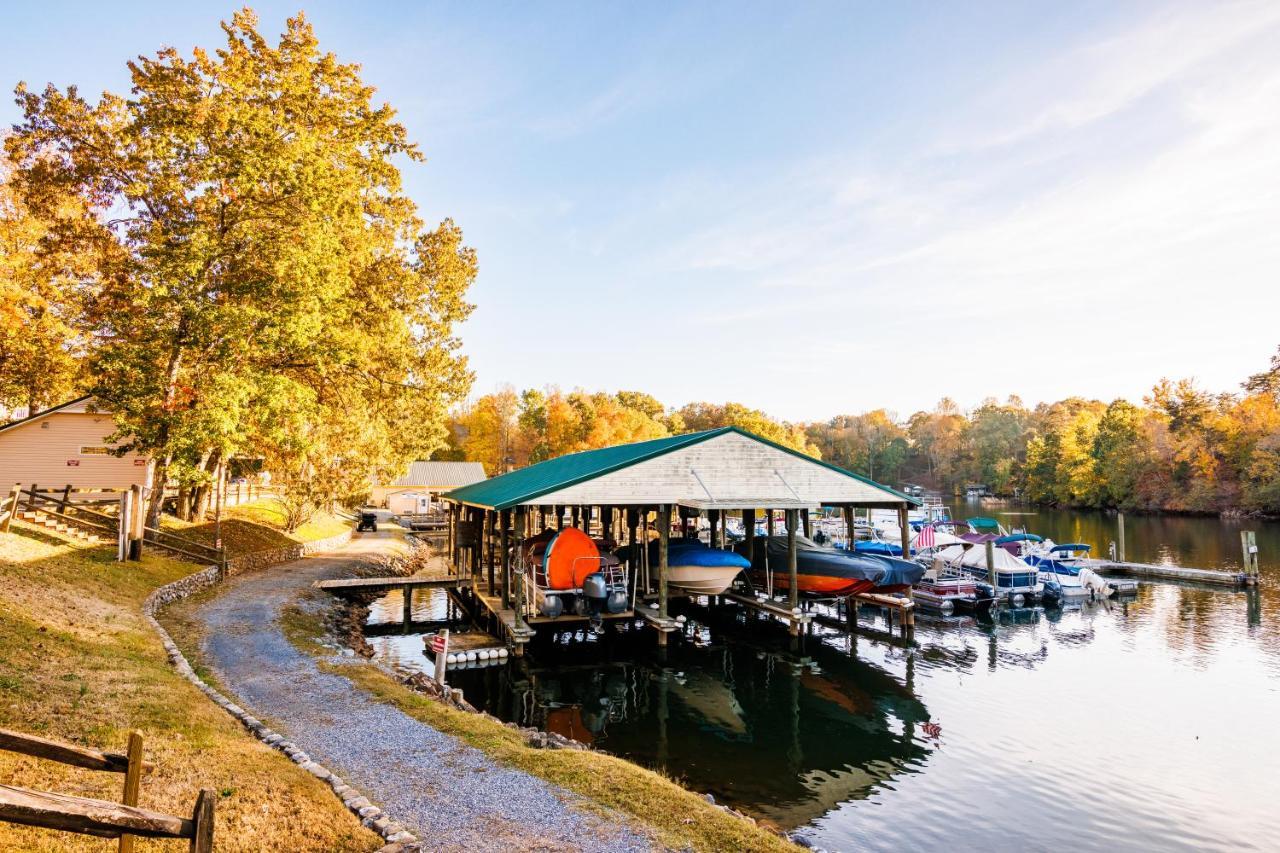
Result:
{"points": [[73, 463]]}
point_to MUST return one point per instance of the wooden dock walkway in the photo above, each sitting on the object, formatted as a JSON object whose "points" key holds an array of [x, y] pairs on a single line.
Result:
{"points": [[352, 586], [1176, 573]]}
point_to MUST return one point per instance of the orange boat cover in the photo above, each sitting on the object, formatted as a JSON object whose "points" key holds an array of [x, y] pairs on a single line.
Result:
{"points": [[571, 556]]}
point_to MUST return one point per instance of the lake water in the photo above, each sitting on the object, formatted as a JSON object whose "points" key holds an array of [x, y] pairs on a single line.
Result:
{"points": [[1147, 723]]}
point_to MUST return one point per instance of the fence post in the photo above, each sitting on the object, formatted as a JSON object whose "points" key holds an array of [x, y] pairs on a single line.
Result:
{"points": [[122, 527], [132, 780], [66, 498], [31, 500], [137, 520], [14, 497]]}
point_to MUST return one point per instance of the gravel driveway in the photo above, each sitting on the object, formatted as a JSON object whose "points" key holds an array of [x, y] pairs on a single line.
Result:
{"points": [[450, 795]]}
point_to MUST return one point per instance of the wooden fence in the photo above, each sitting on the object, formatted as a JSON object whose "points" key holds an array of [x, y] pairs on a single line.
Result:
{"points": [[101, 818]]}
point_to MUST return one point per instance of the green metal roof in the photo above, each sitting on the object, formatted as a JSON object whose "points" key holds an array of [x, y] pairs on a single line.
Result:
{"points": [[527, 484]]}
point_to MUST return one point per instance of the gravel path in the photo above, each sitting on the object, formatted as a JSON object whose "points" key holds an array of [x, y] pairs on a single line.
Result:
{"points": [[452, 796]]}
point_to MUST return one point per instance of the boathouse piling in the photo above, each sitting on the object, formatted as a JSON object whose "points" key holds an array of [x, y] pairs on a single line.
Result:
{"points": [[793, 583], [1120, 537]]}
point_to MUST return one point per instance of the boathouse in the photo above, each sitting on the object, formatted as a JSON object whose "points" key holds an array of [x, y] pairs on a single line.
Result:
{"points": [[622, 493]]}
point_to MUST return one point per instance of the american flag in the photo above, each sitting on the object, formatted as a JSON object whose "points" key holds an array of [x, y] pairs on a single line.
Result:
{"points": [[925, 538]]}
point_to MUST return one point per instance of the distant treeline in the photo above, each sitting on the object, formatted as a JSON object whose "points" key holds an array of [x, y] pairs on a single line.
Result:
{"points": [[1182, 449]]}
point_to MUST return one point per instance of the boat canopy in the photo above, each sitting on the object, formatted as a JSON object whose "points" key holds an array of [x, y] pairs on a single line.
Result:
{"points": [[977, 558], [981, 524], [1070, 546], [1019, 537]]}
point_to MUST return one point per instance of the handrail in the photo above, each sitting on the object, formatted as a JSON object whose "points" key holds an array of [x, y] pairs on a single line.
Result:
{"points": [[66, 753]]}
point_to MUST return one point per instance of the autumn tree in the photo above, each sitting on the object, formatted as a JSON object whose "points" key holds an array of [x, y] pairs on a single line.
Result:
{"points": [[42, 291], [274, 292]]}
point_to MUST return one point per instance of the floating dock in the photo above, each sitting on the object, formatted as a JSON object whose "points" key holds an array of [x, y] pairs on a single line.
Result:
{"points": [[1108, 568]]}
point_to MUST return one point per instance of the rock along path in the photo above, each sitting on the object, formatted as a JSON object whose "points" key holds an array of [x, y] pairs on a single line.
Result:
{"points": [[452, 796]]}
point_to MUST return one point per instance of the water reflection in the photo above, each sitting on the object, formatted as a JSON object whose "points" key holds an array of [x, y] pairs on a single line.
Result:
{"points": [[1127, 724]]}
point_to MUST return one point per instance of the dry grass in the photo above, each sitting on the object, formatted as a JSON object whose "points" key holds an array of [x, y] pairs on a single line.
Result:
{"points": [[77, 663], [258, 526], [679, 818]]}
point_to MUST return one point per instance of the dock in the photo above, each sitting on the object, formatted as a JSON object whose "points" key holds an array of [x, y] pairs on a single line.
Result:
{"points": [[354, 586], [1107, 568]]}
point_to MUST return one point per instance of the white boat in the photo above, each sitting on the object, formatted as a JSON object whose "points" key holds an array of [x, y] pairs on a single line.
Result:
{"points": [[1013, 577], [701, 580]]}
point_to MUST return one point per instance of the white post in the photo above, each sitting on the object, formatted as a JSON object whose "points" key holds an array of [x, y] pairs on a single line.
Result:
{"points": [[441, 653], [123, 523]]}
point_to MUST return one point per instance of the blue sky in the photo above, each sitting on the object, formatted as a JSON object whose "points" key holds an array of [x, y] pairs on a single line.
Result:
{"points": [[820, 209]]}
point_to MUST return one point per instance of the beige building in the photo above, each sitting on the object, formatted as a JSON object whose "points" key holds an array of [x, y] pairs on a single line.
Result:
{"points": [[67, 445], [425, 480]]}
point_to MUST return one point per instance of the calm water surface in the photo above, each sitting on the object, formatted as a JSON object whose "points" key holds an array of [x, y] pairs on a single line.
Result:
{"points": [[1148, 723]]}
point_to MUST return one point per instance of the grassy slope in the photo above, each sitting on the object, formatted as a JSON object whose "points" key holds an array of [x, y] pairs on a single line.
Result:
{"points": [[257, 526], [77, 663], [681, 819]]}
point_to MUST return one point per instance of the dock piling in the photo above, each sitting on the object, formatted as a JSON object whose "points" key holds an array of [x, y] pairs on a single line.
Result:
{"points": [[1249, 553], [1120, 538]]}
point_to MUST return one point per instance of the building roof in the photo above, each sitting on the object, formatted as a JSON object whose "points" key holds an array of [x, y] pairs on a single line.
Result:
{"points": [[743, 473], [78, 405], [442, 475]]}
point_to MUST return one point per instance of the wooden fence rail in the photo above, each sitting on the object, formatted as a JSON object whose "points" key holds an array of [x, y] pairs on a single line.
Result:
{"points": [[100, 818]]}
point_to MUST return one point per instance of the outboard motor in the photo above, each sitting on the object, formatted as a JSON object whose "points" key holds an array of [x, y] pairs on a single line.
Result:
{"points": [[601, 596], [1052, 593], [551, 606]]}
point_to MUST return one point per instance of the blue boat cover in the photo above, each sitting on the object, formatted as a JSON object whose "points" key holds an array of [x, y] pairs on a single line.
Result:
{"points": [[1019, 537], [1071, 546], [885, 549]]}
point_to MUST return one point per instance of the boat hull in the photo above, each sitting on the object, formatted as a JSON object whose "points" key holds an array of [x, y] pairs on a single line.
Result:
{"points": [[822, 585], [701, 580]]}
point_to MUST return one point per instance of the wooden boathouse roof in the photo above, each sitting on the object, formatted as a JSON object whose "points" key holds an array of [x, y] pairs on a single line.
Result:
{"points": [[725, 468]]}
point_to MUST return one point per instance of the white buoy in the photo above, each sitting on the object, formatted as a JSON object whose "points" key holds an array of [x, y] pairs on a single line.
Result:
{"points": [[471, 657], [451, 658], [681, 619], [483, 654], [502, 653]]}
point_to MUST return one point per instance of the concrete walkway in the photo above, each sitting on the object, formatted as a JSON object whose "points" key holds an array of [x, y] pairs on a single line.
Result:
{"points": [[450, 795]]}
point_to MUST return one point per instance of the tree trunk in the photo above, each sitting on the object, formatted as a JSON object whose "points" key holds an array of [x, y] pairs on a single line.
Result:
{"points": [[182, 506], [161, 471]]}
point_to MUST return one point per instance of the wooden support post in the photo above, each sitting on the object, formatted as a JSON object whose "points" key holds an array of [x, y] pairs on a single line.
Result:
{"points": [[408, 607], [1249, 552], [202, 818], [31, 498], [1120, 540], [519, 608], [542, 519], [14, 495], [768, 524], [793, 588], [559, 517], [122, 527], [486, 541], [804, 518], [713, 518], [664, 537], [66, 499], [991, 566], [504, 523], [138, 521], [846, 512], [905, 521], [749, 529], [132, 783]]}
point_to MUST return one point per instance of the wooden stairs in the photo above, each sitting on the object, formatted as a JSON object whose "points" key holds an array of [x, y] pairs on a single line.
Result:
{"points": [[58, 525]]}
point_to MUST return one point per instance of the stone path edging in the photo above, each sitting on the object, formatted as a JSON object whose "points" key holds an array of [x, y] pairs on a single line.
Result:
{"points": [[370, 815]]}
